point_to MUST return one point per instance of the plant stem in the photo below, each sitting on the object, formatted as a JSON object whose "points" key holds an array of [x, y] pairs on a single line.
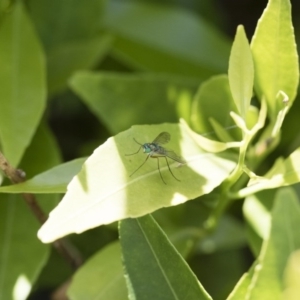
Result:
{"points": [[64, 248], [213, 220], [233, 177], [226, 195]]}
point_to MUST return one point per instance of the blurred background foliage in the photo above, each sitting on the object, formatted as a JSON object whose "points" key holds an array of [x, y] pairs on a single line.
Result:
{"points": [[134, 45], [165, 40], [112, 64]]}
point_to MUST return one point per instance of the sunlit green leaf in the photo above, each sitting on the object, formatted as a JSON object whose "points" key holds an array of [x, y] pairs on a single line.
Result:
{"points": [[283, 240], [257, 213], [240, 290], [283, 173], [221, 132], [122, 100], [22, 83], [205, 143], [101, 277], [265, 279], [275, 56], [292, 277], [252, 116], [153, 265], [103, 191], [241, 72]]}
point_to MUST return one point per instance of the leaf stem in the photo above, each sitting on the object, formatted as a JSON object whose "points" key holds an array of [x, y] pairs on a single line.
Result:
{"points": [[226, 195]]}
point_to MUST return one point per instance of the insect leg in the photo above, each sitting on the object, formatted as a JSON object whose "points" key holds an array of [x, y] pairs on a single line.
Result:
{"points": [[170, 169], [140, 165], [159, 170]]}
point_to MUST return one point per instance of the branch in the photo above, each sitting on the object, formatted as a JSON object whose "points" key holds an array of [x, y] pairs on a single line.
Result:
{"points": [[64, 248]]}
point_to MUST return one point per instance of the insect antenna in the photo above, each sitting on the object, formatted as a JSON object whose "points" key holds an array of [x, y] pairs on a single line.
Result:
{"points": [[137, 151]]}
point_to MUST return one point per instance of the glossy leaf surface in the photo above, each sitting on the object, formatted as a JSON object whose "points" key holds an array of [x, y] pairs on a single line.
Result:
{"points": [[154, 268], [103, 192], [22, 83], [275, 55]]}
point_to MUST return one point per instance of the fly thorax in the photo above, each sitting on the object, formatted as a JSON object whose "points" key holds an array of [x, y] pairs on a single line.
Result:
{"points": [[154, 147]]}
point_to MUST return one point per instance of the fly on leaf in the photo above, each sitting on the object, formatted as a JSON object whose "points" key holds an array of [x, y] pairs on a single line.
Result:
{"points": [[155, 150]]}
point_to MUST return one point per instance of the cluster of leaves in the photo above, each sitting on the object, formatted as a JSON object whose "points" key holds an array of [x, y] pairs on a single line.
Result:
{"points": [[45, 45]]}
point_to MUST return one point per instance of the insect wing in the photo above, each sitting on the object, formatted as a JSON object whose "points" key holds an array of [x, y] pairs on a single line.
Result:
{"points": [[174, 156], [162, 138]]}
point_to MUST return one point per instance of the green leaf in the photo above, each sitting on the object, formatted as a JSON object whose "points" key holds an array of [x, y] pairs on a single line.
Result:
{"points": [[154, 268], [214, 101], [103, 191], [70, 32], [241, 72], [291, 277], [45, 145], [148, 35], [221, 132], [252, 116], [22, 255], [203, 142], [121, 100], [254, 241], [257, 213], [4, 5], [54, 180], [101, 277], [58, 21], [284, 239], [283, 173], [275, 56], [65, 59], [240, 290], [22, 83], [265, 278]]}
